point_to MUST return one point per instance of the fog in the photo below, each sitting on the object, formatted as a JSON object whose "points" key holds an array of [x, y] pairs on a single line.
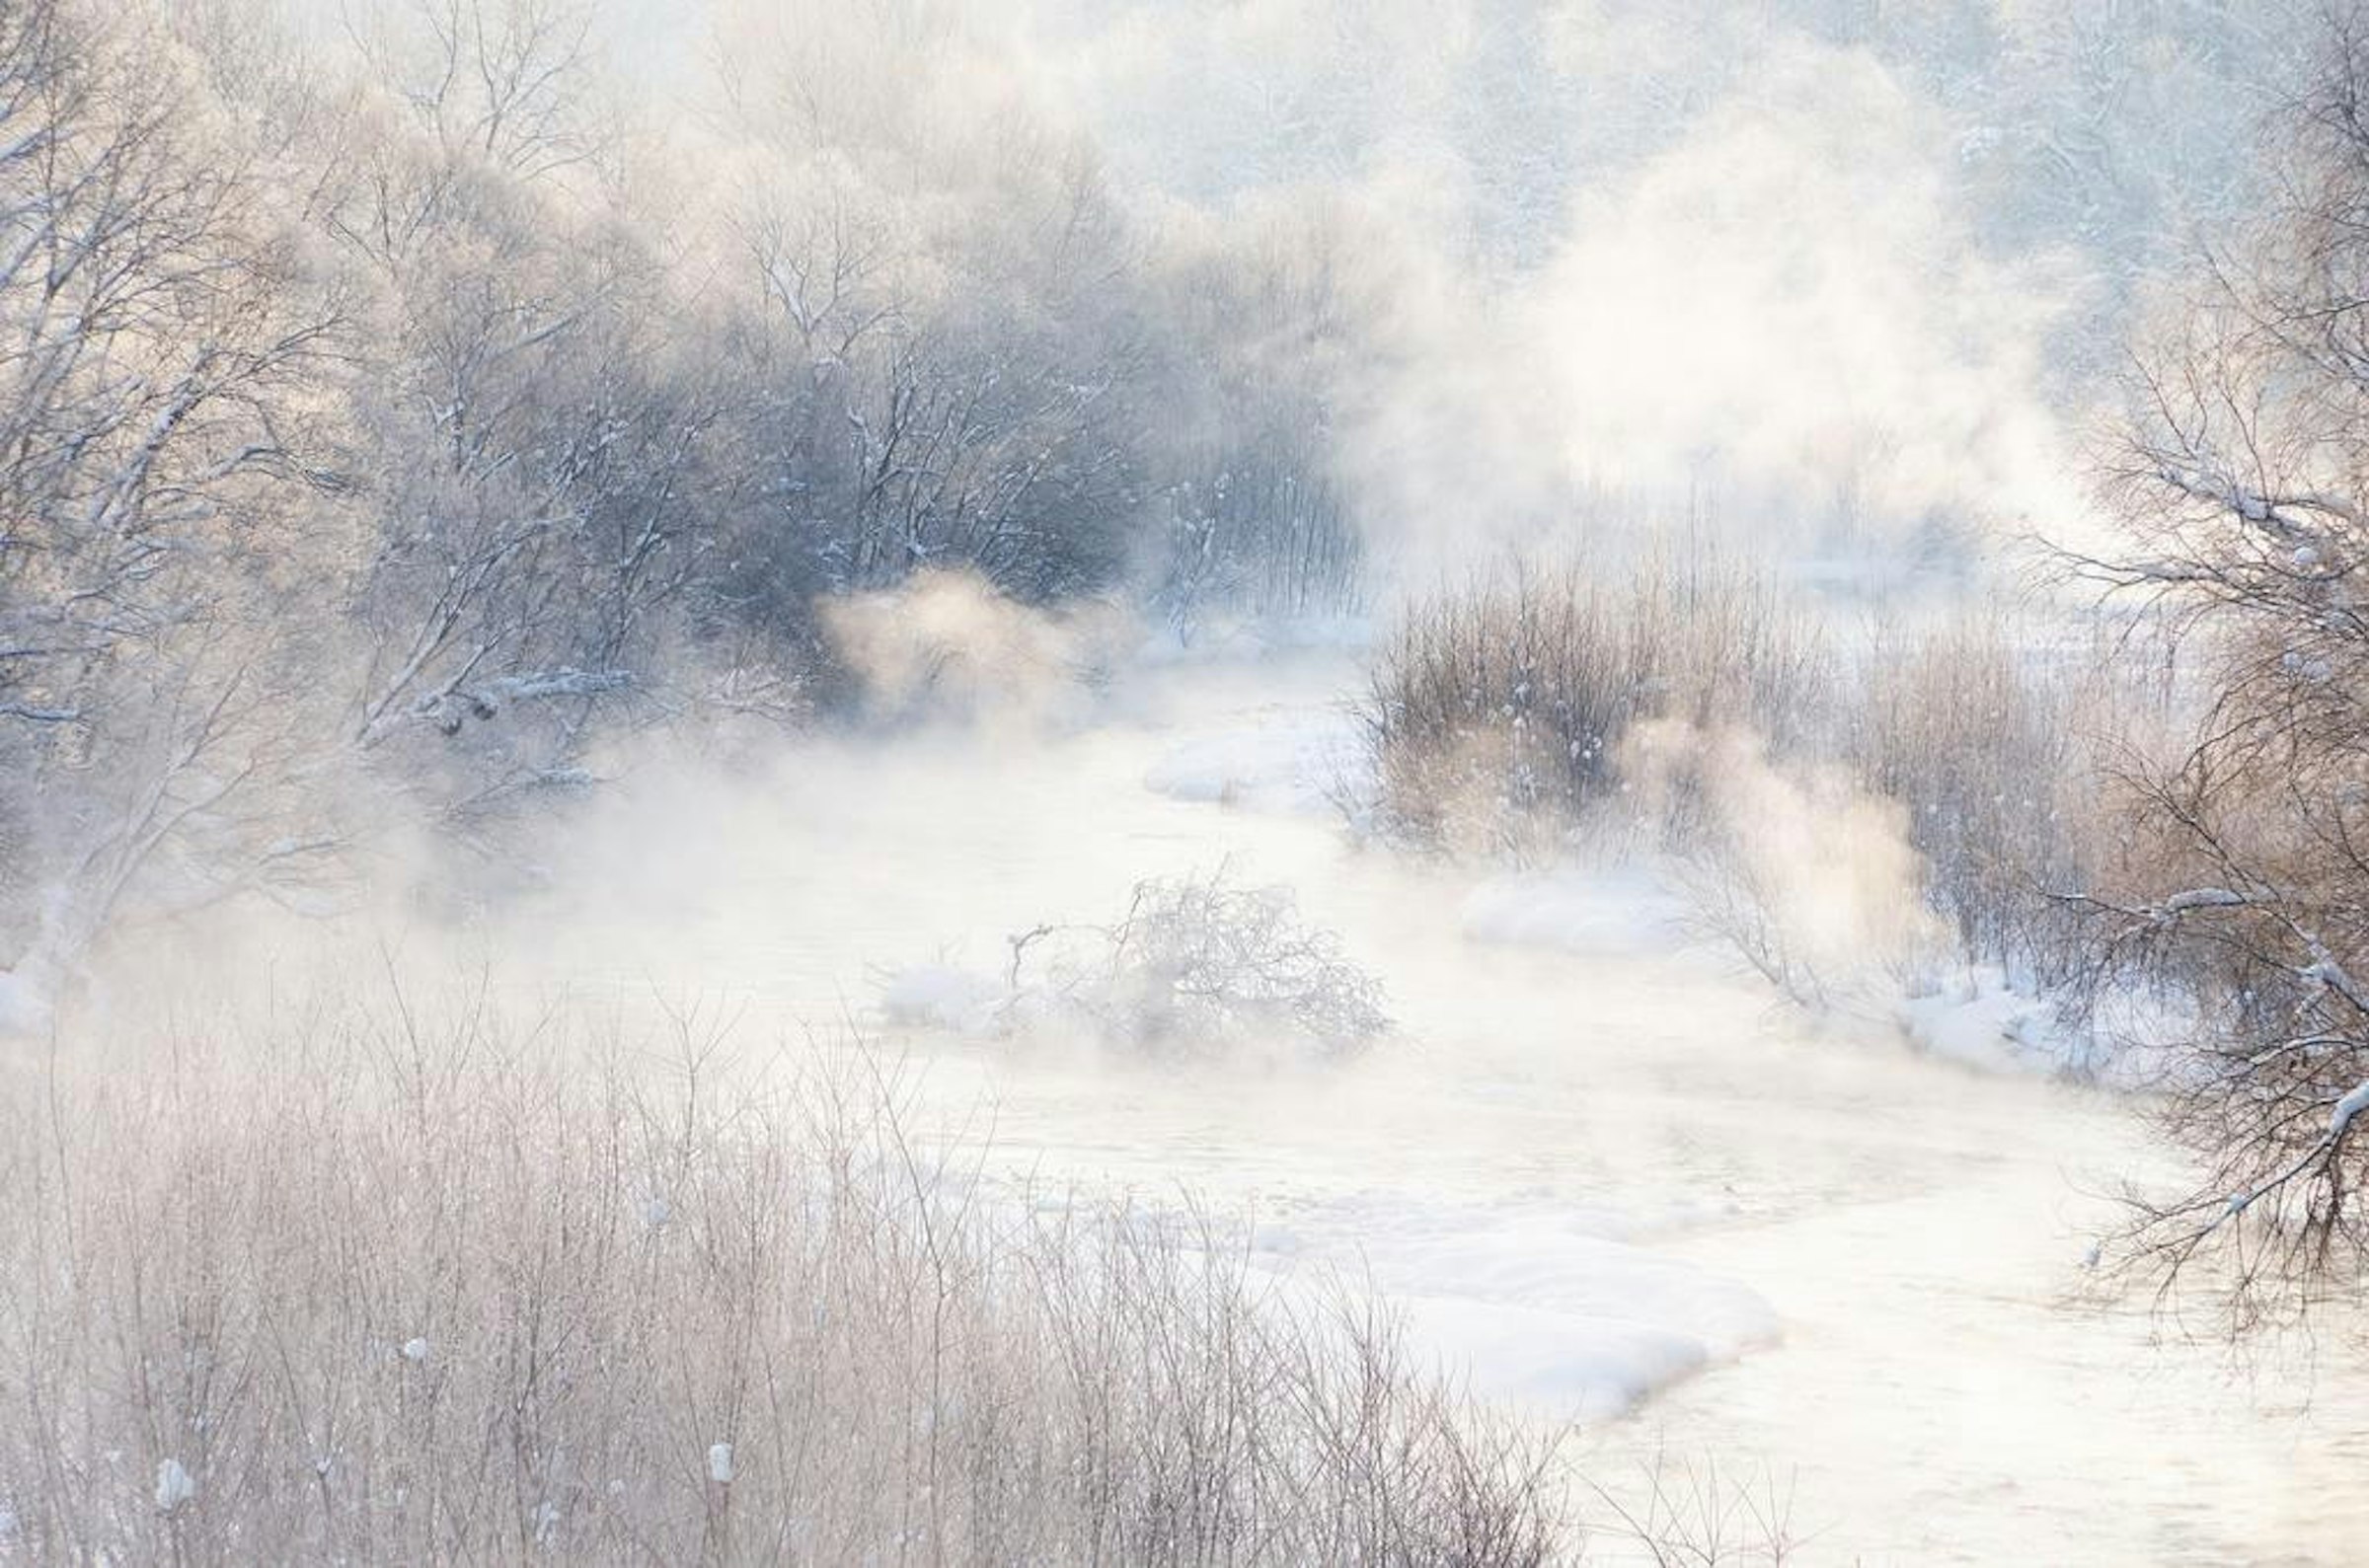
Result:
{"points": [[1270, 782]]}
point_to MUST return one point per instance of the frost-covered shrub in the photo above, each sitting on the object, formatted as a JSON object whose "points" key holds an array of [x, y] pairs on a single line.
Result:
{"points": [[1197, 967], [1498, 710], [2005, 748], [417, 1291], [1198, 963]]}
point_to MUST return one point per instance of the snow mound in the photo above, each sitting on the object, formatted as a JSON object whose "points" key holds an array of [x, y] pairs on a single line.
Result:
{"points": [[1982, 1022], [1303, 768], [1532, 1302], [1585, 1369]]}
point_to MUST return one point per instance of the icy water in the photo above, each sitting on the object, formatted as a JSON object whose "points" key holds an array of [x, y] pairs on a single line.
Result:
{"points": [[1609, 1181]]}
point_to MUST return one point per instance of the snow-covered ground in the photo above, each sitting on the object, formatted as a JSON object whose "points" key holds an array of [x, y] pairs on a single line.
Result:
{"points": [[1607, 1177]]}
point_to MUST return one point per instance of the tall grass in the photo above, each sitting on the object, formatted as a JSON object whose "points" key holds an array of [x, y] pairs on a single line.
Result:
{"points": [[1499, 710], [393, 1291], [1698, 705], [2006, 750]]}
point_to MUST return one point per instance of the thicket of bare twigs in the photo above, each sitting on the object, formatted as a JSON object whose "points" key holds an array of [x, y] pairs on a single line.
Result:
{"points": [[1498, 710], [444, 1290], [2009, 751], [2242, 478], [1707, 706], [1198, 967], [1199, 963]]}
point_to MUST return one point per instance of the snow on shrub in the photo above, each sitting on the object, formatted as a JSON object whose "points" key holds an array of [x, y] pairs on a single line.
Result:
{"points": [[1197, 965], [847, 1346], [1498, 711], [174, 1486]]}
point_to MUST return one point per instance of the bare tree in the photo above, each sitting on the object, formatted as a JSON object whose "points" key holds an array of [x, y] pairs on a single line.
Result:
{"points": [[532, 415], [502, 80], [155, 333], [927, 396], [2246, 478]]}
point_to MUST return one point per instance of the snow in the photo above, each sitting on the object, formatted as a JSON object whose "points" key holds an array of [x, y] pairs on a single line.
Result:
{"points": [[24, 1009], [1303, 766], [1983, 1023], [2203, 898], [2328, 972], [1973, 1018], [554, 683], [2304, 667], [1977, 1019], [1234, 641], [1587, 1372], [415, 1350], [174, 1486], [2355, 1102], [1533, 1303], [942, 996], [720, 1463]]}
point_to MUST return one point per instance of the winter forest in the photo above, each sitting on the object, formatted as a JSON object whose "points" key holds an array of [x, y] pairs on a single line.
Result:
{"points": [[1448, 784]]}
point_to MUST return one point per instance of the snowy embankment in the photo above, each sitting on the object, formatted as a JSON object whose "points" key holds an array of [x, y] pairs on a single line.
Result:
{"points": [[1293, 763], [1970, 1016], [1566, 1312]]}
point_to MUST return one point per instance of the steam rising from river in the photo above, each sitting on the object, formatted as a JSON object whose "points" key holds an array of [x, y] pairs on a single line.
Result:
{"points": [[1589, 270]]}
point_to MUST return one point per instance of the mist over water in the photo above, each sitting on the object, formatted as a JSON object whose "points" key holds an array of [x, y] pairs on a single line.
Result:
{"points": [[1611, 1182], [1607, 1178], [1410, 298]]}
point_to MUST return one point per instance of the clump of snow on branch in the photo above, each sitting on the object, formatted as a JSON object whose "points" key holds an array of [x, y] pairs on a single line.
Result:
{"points": [[174, 1485], [2355, 1102]]}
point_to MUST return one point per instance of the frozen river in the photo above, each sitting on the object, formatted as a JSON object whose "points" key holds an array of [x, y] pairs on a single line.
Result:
{"points": [[1604, 1175]]}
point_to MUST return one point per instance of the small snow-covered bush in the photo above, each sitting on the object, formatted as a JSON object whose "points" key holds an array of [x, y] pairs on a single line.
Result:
{"points": [[1198, 963], [414, 1290], [1197, 966]]}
